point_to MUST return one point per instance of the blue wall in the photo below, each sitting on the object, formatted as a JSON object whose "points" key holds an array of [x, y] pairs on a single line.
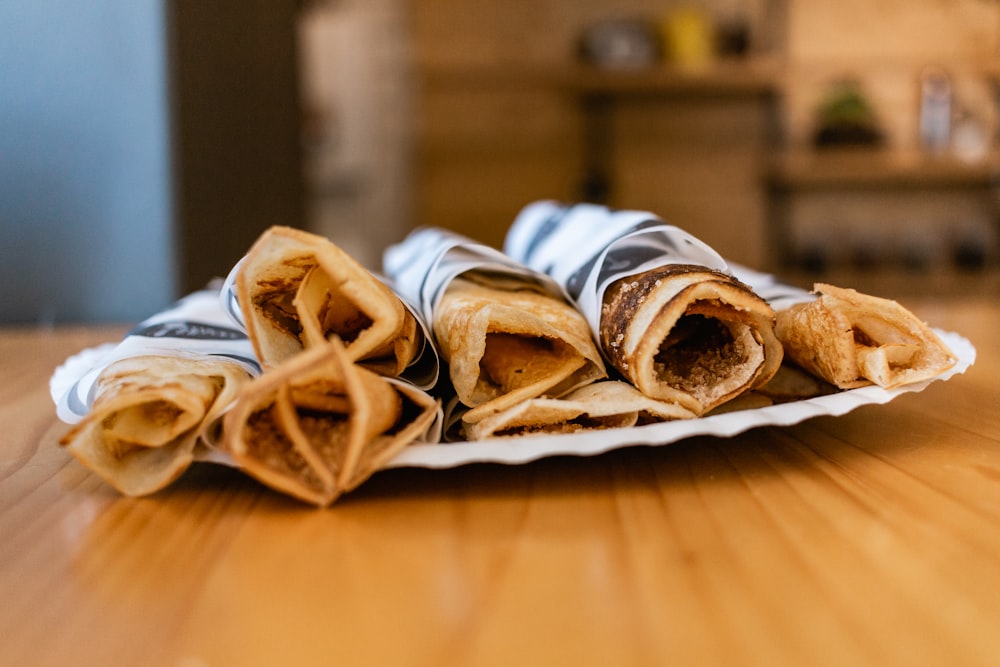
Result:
{"points": [[85, 201]]}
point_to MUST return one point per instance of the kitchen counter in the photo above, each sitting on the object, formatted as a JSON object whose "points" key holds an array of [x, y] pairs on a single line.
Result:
{"points": [[871, 538]]}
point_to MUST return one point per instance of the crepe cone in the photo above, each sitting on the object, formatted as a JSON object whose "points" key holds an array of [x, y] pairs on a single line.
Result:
{"points": [[296, 290], [150, 414], [318, 425], [852, 339]]}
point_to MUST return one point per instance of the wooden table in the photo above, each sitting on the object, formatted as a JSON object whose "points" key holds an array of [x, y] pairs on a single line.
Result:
{"points": [[867, 539]]}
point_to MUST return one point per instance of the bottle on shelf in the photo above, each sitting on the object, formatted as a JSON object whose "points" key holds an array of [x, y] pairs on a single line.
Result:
{"points": [[935, 110]]}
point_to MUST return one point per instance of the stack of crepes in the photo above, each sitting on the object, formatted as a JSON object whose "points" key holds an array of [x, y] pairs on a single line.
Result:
{"points": [[671, 320], [346, 364], [296, 373], [309, 372], [520, 355]]}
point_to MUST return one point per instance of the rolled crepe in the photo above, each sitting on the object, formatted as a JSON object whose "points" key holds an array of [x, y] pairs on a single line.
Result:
{"points": [[318, 425], [149, 416], [296, 290], [669, 316], [507, 340], [852, 339], [600, 405], [688, 334]]}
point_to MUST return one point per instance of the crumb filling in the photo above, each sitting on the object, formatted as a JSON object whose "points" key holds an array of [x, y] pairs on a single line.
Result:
{"points": [[706, 356], [269, 443], [311, 307]]}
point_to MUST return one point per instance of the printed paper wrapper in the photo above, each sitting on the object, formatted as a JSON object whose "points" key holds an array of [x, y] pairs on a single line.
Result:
{"points": [[196, 324], [778, 294], [586, 247], [422, 267], [610, 244]]}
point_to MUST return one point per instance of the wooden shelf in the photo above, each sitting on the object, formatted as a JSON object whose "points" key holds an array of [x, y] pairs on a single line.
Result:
{"points": [[724, 77], [867, 168]]}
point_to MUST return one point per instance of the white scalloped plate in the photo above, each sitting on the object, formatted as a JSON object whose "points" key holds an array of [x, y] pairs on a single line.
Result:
{"points": [[522, 449]]}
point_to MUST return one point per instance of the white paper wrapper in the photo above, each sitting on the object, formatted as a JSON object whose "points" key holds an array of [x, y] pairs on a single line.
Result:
{"points": [[422, 372], [421, 267], [194, 325], [586, 247], [608, 244]]}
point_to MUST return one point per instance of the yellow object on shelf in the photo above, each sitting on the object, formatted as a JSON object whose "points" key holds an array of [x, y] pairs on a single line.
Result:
{"points": [[689, 37]]}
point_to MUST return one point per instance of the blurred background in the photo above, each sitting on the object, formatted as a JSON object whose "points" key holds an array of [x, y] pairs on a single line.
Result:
{"points": [[144, 145]]}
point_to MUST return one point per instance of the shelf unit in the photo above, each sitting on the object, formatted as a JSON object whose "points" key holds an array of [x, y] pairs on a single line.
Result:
{"points": [[627, 159], [927, 224], [870, 168], [726, 77], [782, 173]]}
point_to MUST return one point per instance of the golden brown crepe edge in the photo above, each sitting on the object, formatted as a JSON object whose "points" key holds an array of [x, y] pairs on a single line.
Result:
{"points": [[172, 460]]}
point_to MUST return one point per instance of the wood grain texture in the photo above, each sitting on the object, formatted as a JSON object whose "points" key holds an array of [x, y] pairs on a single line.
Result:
{"points": [[867, 539]]}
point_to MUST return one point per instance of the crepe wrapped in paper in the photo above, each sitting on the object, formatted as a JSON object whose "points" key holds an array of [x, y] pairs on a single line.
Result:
{"points": [[600, 405], [506, 341], [687, 334], [145, 408], [295, 290], [318, 425], [507, 332], [149, 415], [852, 339], [669, 316]]}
